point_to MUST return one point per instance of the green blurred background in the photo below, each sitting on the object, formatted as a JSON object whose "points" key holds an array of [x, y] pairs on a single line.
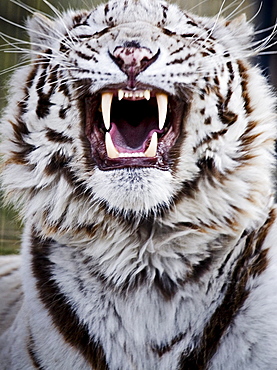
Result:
{"points": [[10, 226]]}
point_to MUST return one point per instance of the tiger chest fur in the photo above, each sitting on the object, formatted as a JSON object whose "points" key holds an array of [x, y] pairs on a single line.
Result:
{"points": [[138, 145]]}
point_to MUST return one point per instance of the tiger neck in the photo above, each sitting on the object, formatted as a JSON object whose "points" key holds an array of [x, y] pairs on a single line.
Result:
{"points": [[165, 261]]}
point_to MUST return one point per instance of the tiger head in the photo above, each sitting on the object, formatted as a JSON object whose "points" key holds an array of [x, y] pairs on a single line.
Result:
{"points": [[138, 109]]}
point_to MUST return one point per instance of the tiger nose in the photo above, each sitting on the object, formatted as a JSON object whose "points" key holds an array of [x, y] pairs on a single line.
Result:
{"points": [[133, 60]]}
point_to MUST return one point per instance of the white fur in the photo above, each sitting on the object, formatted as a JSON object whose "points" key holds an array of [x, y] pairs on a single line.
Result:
{"points": [[126, 221]]}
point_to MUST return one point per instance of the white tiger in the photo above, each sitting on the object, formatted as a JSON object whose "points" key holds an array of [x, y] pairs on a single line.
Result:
{"points": [[139, 147]]}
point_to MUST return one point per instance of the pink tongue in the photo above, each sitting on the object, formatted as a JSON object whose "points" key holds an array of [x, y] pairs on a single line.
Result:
{"points": [[130, 139]]}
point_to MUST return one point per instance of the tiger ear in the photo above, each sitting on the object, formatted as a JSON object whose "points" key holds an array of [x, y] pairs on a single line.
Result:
{"points": [[240, 29], [41, 31], [238, 21]]}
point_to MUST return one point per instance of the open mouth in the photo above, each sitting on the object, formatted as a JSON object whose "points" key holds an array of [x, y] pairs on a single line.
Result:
{"points": [[133, 128]]}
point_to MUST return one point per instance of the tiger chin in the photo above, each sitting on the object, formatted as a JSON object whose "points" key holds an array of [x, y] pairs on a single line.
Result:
{"points": [[138, 147]]}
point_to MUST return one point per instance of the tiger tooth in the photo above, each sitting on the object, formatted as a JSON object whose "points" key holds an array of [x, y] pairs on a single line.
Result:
{"points": [[131, 155], [110, 148], [120, 94], [162, 101], [147, 94], [151, 151], [106, 103]]}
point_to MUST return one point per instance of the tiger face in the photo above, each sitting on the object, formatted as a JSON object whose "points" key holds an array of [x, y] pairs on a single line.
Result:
{"points": [[141, 110]]}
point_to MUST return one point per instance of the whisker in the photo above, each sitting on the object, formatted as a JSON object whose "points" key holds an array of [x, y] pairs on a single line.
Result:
{"points": [[17, 48], [43, 35], [31, 9], [256, 14], [210, 31], [197, 5], [27, 29], [238, 9], [13, 23], [266, 43], [59, 15], [268, 52], [257, 32], [217, 17], [12, 69]]}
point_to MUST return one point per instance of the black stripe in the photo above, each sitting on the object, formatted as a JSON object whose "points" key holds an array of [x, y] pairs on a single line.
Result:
{"points": [[225, 114], [191, 23], [66, 321], [84, 36], [106, 9], [19, 127], [101, 33], [44, 104], [177, 50], [57, 165], [20, 132], [211, 136], [32, 352], [91, 48], [168, 32], [57, 137], [189, 35], [251, 263], [23, 103], [176, 61], [244, 86], [79, 20], [63, 87], [63, 111], [208, 171], [83, 56], [165, 348]]}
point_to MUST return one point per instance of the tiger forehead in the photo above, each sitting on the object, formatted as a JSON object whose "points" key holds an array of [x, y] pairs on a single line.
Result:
{"points": [[119, 11], [141, 15], [134, 30], [143, 33]]}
